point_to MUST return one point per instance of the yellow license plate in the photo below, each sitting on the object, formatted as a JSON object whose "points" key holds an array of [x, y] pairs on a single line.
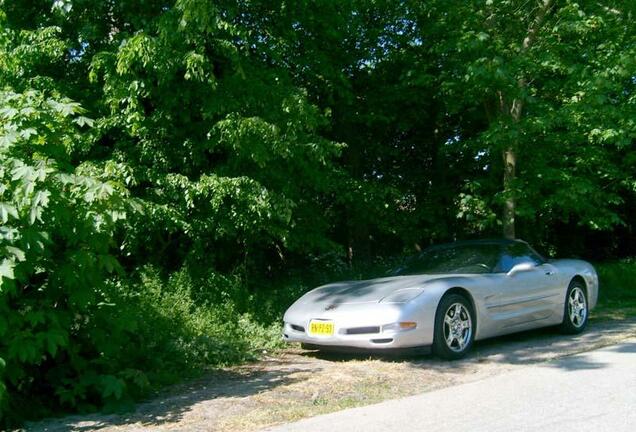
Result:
{"points": [[321, 328]]}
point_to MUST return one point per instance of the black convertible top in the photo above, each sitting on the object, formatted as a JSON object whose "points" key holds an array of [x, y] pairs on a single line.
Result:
{"points": [[495, 241]]}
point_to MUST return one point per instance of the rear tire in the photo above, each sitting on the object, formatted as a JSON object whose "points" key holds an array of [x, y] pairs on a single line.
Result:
{"points": [[575, 309], [454, 327]]}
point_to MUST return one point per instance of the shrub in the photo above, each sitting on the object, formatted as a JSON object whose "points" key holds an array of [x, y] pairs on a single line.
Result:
{"points": [[55, 240], [75, 332], [616, 280], [185, 333]]}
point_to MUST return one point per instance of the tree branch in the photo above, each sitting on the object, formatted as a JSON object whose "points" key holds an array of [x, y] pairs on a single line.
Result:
{"points": [[516, 107], [536, 24]]}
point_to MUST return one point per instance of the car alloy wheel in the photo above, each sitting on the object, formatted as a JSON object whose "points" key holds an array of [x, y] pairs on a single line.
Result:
{"points": [[577, 307], [455, 325], [458, 327], [575, 310]]}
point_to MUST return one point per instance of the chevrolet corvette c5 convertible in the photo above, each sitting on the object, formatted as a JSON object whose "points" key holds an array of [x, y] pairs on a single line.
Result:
{"points": [[447, 297]]}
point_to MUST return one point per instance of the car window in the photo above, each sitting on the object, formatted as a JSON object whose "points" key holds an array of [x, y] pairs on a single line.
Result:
{"points": [[462, 258], [514, 254]]}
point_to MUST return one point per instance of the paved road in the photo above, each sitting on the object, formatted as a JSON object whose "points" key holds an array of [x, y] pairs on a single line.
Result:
{"points": [[595, 391]]}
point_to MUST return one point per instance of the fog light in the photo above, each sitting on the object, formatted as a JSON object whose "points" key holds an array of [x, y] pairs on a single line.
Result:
{"points": [[408, 325]]}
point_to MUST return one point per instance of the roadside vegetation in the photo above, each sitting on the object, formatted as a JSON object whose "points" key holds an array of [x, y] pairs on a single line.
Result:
{"points": [[617, 295], [174, 173]]}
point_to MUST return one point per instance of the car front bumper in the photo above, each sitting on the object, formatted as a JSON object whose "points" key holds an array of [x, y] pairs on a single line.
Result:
{"points": [[382, 340]]}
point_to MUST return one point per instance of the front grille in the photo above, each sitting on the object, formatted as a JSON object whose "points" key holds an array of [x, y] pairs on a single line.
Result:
{"points": [[297, 328], [362, 330]]}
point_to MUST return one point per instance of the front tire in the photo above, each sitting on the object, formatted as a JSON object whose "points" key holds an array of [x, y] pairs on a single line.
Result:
{"points": [[454, 327], [576, 310]]}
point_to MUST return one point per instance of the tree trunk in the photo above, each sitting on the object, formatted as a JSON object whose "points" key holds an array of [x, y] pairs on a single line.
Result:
{"points": [[510, 171], [510, 162], [358, 242], [516, 109]]}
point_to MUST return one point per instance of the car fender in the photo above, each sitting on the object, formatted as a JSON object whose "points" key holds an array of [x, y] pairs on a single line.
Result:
{"points": [[572, 268], [423, 308]]}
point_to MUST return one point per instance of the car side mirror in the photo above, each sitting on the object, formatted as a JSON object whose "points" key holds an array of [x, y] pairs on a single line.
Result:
{"points": [[521, 267]]}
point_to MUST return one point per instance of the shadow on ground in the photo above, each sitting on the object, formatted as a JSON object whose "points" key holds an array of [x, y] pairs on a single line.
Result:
{"points": [[625, 348], [176, 401], [527, 347]]}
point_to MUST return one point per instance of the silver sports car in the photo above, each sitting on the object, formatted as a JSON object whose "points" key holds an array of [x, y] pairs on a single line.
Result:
{"points": [[447, 297]]}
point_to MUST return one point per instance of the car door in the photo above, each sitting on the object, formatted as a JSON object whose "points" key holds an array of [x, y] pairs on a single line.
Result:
{"points": [[524, 297]]}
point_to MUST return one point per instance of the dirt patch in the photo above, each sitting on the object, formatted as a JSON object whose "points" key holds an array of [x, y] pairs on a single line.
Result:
{"points": [[295, 384]]}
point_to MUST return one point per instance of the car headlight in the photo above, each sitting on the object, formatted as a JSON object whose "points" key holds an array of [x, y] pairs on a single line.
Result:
{"points": [[402, 296]]}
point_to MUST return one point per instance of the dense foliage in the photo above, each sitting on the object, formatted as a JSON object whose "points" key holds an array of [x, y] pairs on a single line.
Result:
{"points": [[173, 173]]}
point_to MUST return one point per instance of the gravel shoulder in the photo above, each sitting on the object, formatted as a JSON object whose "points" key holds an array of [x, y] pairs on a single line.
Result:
{"points": [[295, 384]]}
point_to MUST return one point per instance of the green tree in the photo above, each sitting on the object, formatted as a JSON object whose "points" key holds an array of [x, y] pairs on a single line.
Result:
{"points": [[196, 154], [57, 221], [242, 164], [551, 86]]}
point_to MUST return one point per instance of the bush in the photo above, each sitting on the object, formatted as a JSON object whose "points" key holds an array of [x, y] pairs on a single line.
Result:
{"points": [[75, 332], [56, 230], [617, 280], [190, 333], [146, 332]]}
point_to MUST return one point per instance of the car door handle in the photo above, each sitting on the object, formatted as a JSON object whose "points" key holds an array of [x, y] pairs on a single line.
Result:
{"points": [[549, 272]]}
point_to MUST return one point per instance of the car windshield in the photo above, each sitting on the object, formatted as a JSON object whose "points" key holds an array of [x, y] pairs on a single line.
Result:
{"points": [[460, 258]]}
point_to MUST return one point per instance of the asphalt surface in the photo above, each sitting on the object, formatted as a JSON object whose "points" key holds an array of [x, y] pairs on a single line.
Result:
{"points": [[594, 391]]}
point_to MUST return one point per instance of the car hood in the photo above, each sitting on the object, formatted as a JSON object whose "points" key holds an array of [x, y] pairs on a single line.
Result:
{"points": [[396, 289]]}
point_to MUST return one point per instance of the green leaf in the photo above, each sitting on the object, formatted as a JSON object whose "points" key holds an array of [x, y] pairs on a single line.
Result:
{"points": [[8, 139], [22, 171], [18, 254], [7, 210], [39, 202], [55, 338], [6, 269], [84, 121], [109, 263], [35, 317], [66, 108], [24, 348], [112, 386], [8, 112], [28, 133]]}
